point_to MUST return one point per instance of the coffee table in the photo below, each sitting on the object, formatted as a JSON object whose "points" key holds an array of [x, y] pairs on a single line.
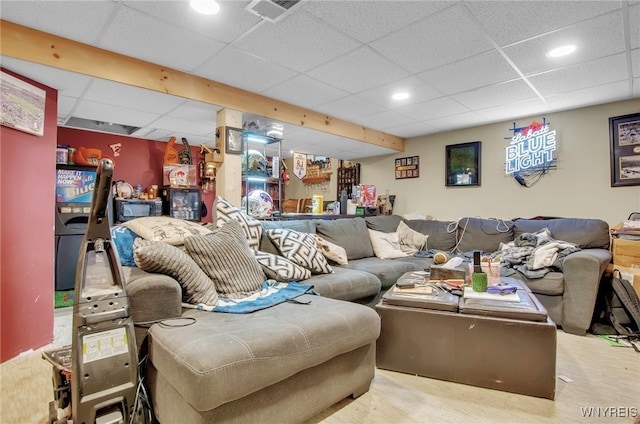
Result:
{"points": [[508, 354]]}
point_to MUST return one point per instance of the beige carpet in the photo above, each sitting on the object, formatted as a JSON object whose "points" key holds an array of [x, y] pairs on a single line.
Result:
{"points": [[601, 380]]}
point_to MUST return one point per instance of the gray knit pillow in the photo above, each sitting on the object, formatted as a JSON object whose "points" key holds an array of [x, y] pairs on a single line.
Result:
{"points": [[163, 258], [224, 255], [280, 268], [300, 248]]}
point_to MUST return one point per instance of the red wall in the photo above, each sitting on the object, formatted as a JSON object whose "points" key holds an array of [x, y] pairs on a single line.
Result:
{"points": [[27, 175], [140, 161]]}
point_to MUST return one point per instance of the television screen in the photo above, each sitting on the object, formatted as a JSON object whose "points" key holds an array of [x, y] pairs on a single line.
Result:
{"points": [[75, 185]]}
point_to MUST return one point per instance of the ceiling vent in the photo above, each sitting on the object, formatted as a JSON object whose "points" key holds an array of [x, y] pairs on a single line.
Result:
{"points": [[93, 125], [272, 10]]}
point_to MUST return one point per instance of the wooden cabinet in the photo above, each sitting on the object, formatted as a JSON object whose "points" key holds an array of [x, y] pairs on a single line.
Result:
{"points": [[348, 176]]}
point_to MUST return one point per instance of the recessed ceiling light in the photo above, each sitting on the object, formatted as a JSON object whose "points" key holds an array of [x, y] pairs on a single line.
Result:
{"points": [[206, 7], [561, 51], [401, 95]]}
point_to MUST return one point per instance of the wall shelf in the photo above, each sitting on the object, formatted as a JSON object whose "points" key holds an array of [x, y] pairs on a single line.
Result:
{"points": [[316, 180]]}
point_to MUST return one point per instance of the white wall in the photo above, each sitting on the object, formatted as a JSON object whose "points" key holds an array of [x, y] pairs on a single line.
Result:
{"points": [[580, 186], [296, 190]]}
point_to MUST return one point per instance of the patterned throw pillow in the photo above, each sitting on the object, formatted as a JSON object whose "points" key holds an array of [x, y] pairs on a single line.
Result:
{"points": [[165, 228], [160, 257], [411, 240], [300, 248], [386, 245], [280, 268], [332, 251], [252, 227], [225, 257]]}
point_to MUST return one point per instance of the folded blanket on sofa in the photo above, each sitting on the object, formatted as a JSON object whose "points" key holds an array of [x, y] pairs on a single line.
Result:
{"points": [[272, 293]]}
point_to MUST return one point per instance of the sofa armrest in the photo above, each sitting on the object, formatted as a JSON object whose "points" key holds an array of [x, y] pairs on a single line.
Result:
{"points": [[582, 273], [152, 297]]}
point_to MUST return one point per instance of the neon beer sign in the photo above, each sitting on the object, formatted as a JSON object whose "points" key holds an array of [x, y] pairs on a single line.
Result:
{"points": [[532, 147]]}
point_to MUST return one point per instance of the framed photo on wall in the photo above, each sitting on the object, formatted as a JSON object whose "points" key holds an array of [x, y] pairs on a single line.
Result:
{"points": [[408, 167], [624, 135], [233, 137], [462, 164]]}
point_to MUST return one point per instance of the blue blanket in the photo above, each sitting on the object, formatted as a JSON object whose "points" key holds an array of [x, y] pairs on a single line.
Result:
{"points": [[272, 293]]}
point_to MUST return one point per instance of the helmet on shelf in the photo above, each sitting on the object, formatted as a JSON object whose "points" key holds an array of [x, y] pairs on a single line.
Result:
{"points": [[260, 204], [254, 163]]}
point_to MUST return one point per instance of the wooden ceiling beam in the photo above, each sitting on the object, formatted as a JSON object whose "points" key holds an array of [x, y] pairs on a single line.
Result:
{"points": [[28, 44]]}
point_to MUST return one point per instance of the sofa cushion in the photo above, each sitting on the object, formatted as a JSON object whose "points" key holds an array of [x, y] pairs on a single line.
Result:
{"points": [[586, 233], [350, 233], [301, 225], [411, 241], [254, 351], [387, 270], [224, 255], [165, 228], [300, 248], [386, 245], [442, 234], [384, 223], [331, 251], [551, 284], [251, 227], [345, 284], [483, 234], [161, 257], [280, 268]]}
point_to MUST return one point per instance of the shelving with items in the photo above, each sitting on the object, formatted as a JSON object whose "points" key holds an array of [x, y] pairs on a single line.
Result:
{"points": [[348, 176], [182, 203]]}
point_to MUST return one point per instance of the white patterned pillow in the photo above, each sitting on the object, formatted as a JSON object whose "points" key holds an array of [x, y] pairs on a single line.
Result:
{"points": [[332, 251], [165, 228], [300, 248], [160, 257], [280, 268], [252, 227], [225, 257], [411, 240]]}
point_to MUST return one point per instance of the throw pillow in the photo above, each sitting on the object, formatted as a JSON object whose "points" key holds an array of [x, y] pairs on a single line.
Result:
{"points": [[123, 239], [332, 251], [252, 227], [279, 268], [411, 240], [226, 258], [165, 228], [160, 257], [386, 245], [300, 248]]}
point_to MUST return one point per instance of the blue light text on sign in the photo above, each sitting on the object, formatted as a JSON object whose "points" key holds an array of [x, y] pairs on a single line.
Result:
{"points": [[531, 149]]}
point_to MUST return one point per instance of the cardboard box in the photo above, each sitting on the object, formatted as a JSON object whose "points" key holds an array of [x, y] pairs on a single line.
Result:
{"points": [[180, 176], [625, 252]]}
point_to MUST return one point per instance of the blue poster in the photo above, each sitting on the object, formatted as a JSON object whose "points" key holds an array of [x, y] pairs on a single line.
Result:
{"points": [[74, 185]]}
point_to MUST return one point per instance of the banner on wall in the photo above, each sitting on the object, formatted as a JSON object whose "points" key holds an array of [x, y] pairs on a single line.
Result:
{"points": [[299, 165]]}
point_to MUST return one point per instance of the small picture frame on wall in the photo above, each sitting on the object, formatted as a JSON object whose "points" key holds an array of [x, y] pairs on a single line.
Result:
{"points": [[462, 164], [624, 135], [407, 167], [234, 141]]}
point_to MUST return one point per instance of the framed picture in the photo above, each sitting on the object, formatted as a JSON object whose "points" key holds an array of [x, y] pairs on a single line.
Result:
{"points": [[407, 167], [624, 135], [463, 164], [233, 137], [22, 105]]}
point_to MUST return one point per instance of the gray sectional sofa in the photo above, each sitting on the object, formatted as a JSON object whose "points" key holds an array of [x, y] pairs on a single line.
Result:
{"points": [[289, 362]]}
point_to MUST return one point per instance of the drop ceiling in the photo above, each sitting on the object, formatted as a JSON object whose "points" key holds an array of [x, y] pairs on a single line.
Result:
{"points": [[465, 63]]}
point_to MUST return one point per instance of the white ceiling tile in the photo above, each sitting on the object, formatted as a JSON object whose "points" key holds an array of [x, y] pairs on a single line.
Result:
{"points": [[496, 95], [590, 96], [419, 92], [519, 20], [114, 114], [475, 72], [184, 126], [231, 22], [462, 120], [67, 83], [314, 42], [196, 111], [238, 68], [597, 72], [634, 26], [433, 109], [66, 105], [349, 108], [160, 135], [383, 120], [369, 20], [413, 129], [636, 87], [345, 72], [304, 91], [132, 33], [77, 20], [635, 63], [513, 111], [595, 38], [431, 42], [133, 98]]}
